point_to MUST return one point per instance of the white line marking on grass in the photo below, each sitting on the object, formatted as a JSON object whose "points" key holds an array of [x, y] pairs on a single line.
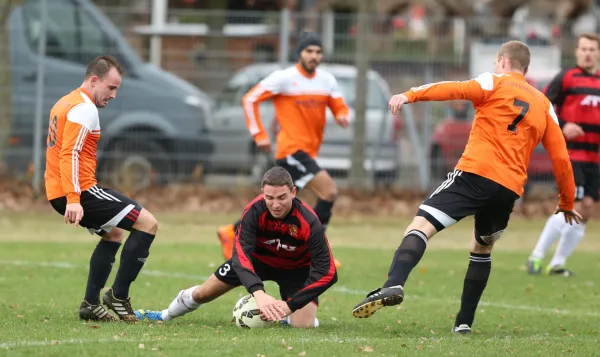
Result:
{"points": [[339, 289]]}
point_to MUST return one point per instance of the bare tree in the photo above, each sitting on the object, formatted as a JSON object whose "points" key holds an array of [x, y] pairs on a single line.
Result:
{"points": [[5, 78]]}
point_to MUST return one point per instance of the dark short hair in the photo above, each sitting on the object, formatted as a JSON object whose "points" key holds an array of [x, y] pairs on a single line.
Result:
{"points": [[100, 66], [588, 36], [277, 176]]}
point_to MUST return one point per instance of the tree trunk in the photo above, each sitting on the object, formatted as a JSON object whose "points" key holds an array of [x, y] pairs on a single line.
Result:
{"points": [[5, 80]]}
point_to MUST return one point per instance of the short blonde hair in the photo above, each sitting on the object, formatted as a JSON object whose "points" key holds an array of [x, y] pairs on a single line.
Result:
{"points": [[517, 53]]}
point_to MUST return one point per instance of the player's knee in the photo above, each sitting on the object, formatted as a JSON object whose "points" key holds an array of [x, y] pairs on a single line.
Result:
{"points": [[146, 222], [421, 224], [484, 241]]}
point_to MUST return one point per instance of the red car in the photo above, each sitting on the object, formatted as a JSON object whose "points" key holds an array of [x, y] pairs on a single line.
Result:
{"points": [[450, 137]]}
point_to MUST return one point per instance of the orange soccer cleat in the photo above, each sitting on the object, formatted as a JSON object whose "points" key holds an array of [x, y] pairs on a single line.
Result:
{"points": [[226, 235]]}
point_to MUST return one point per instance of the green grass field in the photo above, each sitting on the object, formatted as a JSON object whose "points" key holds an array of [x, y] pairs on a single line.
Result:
{"points": [[43, 268]]}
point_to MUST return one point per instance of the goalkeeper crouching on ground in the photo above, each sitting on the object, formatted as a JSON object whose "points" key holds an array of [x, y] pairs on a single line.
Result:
{"points": [[280, 239]]}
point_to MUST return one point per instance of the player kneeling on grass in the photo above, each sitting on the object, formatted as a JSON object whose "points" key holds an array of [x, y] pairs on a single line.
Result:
{"points": [[281, 239], [511, 118]]}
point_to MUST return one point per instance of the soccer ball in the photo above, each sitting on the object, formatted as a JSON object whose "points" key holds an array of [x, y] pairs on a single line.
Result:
{"points": [[246, 313]]}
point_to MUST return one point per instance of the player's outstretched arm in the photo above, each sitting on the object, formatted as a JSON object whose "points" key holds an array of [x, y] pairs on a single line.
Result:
{"points": [[555, 145], [243, 247], [475, 90], [338, 106], [264, 90], [322, 273]]}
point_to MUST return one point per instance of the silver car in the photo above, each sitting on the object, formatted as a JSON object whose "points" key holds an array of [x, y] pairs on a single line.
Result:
{"points": [[234, 149]]}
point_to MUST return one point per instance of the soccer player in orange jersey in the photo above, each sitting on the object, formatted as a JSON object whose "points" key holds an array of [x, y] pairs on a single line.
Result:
{"points": [[71, 188], [301, 95], [511, 118]]}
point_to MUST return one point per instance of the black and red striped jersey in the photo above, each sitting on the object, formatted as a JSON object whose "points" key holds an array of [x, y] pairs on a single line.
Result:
{"points": [[576, 96], [295, 241]]}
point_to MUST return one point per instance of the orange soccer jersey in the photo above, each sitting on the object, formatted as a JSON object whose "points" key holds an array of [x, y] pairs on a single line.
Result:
{"points": [[73, 137], [300, 100], [511, 118]]}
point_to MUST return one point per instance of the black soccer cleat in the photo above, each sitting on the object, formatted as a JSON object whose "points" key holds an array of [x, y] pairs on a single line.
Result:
{"points": [[463, 329], [378, 298], [121, 307], [89, 312]]}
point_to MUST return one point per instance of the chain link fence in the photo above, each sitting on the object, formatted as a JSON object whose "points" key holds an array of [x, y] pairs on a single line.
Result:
{"points": [[178, 115]]}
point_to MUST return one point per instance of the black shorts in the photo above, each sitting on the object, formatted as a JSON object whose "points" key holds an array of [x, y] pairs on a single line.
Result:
{"points": [[289, 281], [587, 180], [301, 167], [103, 209], [465, 194]]}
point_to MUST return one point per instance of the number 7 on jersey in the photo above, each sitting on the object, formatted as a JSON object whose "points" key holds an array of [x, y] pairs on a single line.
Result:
{"points": [[512, 127]]}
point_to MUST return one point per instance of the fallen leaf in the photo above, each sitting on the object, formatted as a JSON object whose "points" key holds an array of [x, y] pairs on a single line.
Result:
{"points": [[55, 342], [20, 316], [419, 347], [155, 349], [141, 346], [302, 354], [14, 306], [259, 355], [116, 337], [366, 349], [398, 321], [93, 326], [500, 326], [290, 348], [283, 343], [399, 308], [387, 328], [123, 333]]}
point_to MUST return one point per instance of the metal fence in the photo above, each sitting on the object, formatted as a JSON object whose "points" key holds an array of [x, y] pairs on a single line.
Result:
{"points": [[178, 115]]}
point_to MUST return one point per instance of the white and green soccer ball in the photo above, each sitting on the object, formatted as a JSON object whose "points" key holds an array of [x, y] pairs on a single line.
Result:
{"points": [[246, 313]]}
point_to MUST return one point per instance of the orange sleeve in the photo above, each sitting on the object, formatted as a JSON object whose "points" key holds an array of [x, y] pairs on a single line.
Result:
{"points": [[475, 90], [336, 101], [555, 145], [74, 135], [266, 89]]}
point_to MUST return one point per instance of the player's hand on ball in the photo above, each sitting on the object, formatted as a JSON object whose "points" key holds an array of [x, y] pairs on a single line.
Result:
{"points": [[73, 213], [570, 216], [268, 307], [397, 102], [284, 307]]}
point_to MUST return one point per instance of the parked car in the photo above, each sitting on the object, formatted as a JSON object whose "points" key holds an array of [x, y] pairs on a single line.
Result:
{"points": [[450, 137], [234, 149], [156, 128]]}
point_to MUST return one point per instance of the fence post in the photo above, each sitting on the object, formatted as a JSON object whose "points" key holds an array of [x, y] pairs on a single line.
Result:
{"points": [[357, 174], [284, 36], [39, 102], [159, 17]]}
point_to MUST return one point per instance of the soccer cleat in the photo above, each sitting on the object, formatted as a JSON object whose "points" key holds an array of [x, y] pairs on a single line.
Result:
{"points": [[226, 235], [534, 266], [558, 270], [463, 329], [121, 307], [376, 299], [91, 312], [148, 315]]}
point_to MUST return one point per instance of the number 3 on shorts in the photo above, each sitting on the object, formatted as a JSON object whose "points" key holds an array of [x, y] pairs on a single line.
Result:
{"points": [[224, 269]]}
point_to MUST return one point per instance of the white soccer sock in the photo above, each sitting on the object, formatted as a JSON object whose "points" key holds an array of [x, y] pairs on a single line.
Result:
{"points": [[551, 232], [182, 304], [570, 238]]}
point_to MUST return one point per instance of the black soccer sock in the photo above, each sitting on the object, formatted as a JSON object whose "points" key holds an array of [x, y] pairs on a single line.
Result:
{"points": [[407, 256], [133, 257], [101, 264], [478, 273], [323, 211]]}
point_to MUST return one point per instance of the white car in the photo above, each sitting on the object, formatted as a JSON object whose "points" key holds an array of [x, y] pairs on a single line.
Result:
{"points": [[234, 149]]}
